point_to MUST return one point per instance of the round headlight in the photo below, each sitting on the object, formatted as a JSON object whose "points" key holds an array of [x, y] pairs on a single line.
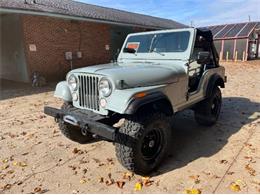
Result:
{"points": [[73, 82], [105, 87]]}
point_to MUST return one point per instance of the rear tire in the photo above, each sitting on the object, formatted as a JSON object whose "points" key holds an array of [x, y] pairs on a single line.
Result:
{"points": [[72, 132], [143, 142], [207, 111]]}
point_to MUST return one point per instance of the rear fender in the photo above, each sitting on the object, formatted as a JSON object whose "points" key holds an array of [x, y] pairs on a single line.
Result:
{"points": [[215, 80]]}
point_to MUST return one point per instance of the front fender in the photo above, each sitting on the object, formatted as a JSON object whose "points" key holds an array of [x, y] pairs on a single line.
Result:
{"points": [[63, 91], [120, 100]]}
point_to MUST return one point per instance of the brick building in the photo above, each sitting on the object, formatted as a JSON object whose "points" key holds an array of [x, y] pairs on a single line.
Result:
{"points": [[36, 34]]}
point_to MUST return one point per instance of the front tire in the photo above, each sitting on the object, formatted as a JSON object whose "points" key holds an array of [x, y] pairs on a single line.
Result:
{"points": [[72, 132], [143, 142], [207, 112]]}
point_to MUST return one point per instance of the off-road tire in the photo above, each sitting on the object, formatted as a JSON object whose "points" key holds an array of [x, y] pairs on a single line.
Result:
{"points": [[130, 142], [207, 112], [72, 132]]}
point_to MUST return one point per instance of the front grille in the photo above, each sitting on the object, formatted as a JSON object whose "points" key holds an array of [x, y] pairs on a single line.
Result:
{"points": [[88, 92]]}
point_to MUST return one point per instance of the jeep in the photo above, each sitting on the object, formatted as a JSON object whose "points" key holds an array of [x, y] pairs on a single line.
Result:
{"points": [[130, 102]]}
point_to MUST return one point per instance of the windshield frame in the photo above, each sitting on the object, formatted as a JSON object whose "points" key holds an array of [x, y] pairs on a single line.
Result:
{"points": [[183, 55]]}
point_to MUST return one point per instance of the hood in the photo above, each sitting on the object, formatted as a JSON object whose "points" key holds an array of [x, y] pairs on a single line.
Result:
{"points": [[136, 75]]}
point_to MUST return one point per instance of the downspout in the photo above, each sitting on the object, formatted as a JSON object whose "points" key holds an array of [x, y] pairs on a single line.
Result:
{"points": [[24, 43], [247, 48]]}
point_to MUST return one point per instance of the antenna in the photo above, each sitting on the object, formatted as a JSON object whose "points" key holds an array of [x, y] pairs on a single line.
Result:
{"points": [[191, 23]]}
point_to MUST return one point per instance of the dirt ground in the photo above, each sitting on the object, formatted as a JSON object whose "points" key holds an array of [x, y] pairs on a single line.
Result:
{"points": [[225, 158]]}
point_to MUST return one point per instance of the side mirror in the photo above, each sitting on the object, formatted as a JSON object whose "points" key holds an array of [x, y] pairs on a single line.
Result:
{"points": [[129, 50], [203, 57]]}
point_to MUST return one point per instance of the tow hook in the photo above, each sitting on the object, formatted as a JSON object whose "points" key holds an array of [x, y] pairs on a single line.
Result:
{"points": [[71, 120], [84, 130]]}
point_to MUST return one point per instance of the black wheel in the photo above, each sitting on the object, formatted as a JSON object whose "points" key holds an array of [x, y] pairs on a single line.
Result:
{"points": [[142, 143], [72, 132], [207, 112]]}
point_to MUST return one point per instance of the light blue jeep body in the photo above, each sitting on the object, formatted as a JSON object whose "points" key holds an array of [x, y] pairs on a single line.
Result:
{"points": [[135, 73]]}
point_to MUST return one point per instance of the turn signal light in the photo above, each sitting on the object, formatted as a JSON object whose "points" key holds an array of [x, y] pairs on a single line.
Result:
{"points": [[140, 95]]}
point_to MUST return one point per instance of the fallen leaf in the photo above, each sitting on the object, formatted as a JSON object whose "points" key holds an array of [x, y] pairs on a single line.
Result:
{"points": [[15, 163], [10, 172], [128, 176], [23, 133], [230, 173], [75, 192], [7, 187], [22, 164], [216, 176], [2, 176], [5, 160], [138, 186], [110, 181], [223, 162], [248, 145], [5, 167], [250, 170], [101, 180], [195, 178], [110, 161], [75, 151], [250, 158], [146, 181], [82, 181], [19, 183], [120, 184], [234, 187], [73, 167], [101, 164], [85, 171], [37, 190], [193, 191]]}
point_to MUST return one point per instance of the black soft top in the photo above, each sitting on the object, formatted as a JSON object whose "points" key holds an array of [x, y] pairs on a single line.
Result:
{"points": [[206, 33]]}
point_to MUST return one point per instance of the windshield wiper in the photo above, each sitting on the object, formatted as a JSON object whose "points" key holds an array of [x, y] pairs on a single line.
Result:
{"points": [[154, 51]]}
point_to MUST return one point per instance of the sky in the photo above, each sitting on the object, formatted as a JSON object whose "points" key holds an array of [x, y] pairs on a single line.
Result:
{"points": [[195, 12]]}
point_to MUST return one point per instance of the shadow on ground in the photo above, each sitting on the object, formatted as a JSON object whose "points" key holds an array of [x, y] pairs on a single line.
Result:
{"points": [[191, 141], [12, 89]]}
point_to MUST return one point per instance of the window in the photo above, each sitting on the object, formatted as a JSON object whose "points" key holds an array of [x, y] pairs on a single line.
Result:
{"points": [[228, 52], [160, 42], [201, 44], [171, 42]]}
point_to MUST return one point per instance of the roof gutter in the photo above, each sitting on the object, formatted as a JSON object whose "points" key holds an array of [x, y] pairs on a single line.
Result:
{"points": [[62, 16]]}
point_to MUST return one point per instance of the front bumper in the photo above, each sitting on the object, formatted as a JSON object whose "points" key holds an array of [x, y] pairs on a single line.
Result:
{"points": [[87, 120]]}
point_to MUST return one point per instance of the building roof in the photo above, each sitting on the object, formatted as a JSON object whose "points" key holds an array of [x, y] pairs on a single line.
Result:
{"points": [[239, 30], [88, 11]]}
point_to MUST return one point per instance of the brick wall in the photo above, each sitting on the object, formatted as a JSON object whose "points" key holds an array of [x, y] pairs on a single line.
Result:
{"points": [[53, 37]]}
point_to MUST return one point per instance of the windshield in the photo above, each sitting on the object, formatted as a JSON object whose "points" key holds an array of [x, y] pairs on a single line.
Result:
{"points": [[159, 42]]}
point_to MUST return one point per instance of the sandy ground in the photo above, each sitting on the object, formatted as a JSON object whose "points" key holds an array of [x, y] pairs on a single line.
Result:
{"points": [[36, 158]]}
